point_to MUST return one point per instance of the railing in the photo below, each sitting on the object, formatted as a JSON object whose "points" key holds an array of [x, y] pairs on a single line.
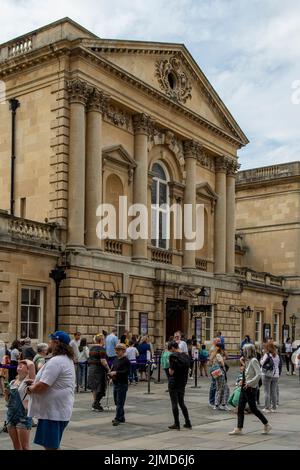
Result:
{"points": [[269, 172], [201, 264], [20, 47], [161, 256], [17, 229], [114, 246], [265, 279]]}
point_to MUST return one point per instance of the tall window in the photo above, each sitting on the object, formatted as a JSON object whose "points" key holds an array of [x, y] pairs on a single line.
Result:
{"points": [[159, 212], [31, 312], [276, 327], [122, 317], [258, 316], [208, 327]]}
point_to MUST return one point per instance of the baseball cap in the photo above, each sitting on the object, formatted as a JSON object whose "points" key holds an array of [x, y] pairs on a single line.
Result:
{"points": [[61, 336]]}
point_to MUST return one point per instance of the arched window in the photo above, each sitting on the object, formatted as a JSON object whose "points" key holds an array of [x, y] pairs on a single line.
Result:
{"points": [[159, 210]]}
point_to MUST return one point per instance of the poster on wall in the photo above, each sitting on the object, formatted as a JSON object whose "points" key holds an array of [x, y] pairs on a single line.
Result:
{"points": [[143, 327], [198, 325], [285, 332], [266, 331]]}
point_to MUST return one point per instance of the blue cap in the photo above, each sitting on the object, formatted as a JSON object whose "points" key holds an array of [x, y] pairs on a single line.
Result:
{"points": [[61, 336]]}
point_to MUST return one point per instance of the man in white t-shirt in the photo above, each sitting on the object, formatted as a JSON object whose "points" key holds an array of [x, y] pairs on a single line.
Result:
{"points": [[181, 344], [75, 343]]}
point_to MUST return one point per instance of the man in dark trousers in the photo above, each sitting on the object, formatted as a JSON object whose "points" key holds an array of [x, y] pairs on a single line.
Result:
{"points": [[119, 374], [178, 371]]}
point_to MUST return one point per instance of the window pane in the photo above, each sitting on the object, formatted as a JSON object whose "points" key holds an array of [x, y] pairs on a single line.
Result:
{"points": [[153, 226], [25, 296], [33, 330], [35, 297], [162, 194], [24, 332], [159, 172], [24, 313], [34, 313], [162, 230], [154, 192]]}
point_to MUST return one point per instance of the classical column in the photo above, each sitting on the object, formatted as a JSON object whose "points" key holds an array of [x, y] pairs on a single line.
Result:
{"points": [[232, 168], [78, 94], [93, 176], [191, 149], [142, 125], [220, 215]]}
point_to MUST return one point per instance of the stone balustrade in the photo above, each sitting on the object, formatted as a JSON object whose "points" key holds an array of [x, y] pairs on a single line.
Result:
{"points": [[114, 246], [20, 47], [268, 173], [16, 229], [262, 278], [161, 256], [201, 264]]}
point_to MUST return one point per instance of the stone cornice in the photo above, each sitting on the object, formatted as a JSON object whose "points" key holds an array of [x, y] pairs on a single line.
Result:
{"points": [[65, 47]]}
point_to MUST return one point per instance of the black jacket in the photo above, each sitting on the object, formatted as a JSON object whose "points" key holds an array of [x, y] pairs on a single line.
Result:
{"points": [[122, 367]]}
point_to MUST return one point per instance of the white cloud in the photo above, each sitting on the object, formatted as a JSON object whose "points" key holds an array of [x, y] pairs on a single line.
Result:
{"points": [[248, 50]]}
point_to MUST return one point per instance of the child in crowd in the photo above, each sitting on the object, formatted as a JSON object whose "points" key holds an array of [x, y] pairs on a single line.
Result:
{"points": [[17, 421]]}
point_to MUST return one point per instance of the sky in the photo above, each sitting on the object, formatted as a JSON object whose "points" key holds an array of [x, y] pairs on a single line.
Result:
{"points": [[248, 49]]}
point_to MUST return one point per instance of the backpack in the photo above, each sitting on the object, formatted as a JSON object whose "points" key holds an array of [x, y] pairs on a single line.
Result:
{"points": [[268, 368]]}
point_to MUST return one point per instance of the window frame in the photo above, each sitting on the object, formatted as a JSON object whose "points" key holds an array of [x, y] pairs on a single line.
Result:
{"points": [[157, 209], [276, 333], [258, 331], [126, 325], [41, 289]]}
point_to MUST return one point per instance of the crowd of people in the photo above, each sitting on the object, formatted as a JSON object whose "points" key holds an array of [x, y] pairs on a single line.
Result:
{"points": [[40, 383]]}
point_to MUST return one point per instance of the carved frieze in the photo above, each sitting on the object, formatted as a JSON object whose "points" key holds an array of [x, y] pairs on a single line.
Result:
{"points": [[205, 160], [192, 148], [118, 117], [232, 167], [173, 79]]}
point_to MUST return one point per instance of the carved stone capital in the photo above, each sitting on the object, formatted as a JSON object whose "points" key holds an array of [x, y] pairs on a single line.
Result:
{"points": [[97, 101], [142, 124], [191, 148], [221, 164], [79, 91], [232, 167]]}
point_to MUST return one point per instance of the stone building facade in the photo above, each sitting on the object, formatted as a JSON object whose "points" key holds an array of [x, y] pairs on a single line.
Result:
{"points": [[99, 119]]}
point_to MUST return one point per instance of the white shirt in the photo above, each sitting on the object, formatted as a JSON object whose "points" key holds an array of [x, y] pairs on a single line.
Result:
{"points": [[75, 346], [183, 346], [56, 404], [132, 353], [84, 354], [14, 354], [288, 347]]}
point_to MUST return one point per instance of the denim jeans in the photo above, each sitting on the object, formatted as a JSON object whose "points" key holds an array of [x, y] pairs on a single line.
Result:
{"points": [[271, 391], [120, 391], [82, 374], [133, 373]]}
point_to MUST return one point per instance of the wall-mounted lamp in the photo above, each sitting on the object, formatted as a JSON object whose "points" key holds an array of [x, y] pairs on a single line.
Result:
{"points": [[248, 311], [117, 297]]}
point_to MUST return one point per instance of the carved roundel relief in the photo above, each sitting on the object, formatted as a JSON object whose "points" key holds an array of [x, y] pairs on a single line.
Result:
{"points": [[173, 79]]}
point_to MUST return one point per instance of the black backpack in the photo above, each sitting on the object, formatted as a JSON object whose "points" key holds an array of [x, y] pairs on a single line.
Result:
{"points": [[268, 368]]}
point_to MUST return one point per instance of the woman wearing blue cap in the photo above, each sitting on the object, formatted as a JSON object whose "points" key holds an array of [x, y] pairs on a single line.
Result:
{"points": [[52, 393]]}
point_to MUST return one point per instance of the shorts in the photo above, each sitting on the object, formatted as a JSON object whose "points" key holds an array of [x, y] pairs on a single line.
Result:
{"points": [[49, 433], [20, 423]]}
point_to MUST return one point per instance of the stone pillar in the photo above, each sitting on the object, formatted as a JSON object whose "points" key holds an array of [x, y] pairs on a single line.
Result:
{"points": [[78, 94], [230, 216], [93, 176], [220, 216], [141, 124], [191, 149]]}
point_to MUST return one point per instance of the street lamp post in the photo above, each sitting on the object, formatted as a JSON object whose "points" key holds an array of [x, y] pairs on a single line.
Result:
{"points": [[57, 275], [284, 304], [293, 319]]}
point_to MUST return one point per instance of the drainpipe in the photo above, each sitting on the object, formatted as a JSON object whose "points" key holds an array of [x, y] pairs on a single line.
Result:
{"points": [[58, 274], [14, 104]]}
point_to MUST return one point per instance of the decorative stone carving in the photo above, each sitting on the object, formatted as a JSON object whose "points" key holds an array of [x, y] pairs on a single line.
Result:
{"points": [[221, 164], [165, 137], [192, 148], [232, 167], [79, 91], [97, 101], [206, 161], [173, 79], [118, 118], [142, 123]]}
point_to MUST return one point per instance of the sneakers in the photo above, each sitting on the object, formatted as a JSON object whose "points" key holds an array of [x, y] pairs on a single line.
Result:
{"points": [[187, 426], [115, 422], [98, 408], [266, 410], [288, 373], [174, 427], [267, 429], [273, 410], [235, 432], [224, 408], [215, 407], [120, 421]]}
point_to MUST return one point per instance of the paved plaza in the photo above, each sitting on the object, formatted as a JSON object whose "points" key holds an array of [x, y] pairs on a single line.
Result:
{"points": [[148, 417]]}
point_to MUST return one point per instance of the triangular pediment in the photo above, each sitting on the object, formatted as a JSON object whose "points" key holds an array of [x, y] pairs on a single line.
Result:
{"points": [[205, 190], [172, 71], [118, 155]]}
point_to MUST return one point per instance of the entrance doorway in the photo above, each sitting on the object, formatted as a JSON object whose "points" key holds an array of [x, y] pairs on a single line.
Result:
{"points": [[176, 317]]}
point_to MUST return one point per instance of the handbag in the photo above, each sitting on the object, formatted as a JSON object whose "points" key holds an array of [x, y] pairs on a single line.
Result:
{"points": [[215, 371], [235, 397]]}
